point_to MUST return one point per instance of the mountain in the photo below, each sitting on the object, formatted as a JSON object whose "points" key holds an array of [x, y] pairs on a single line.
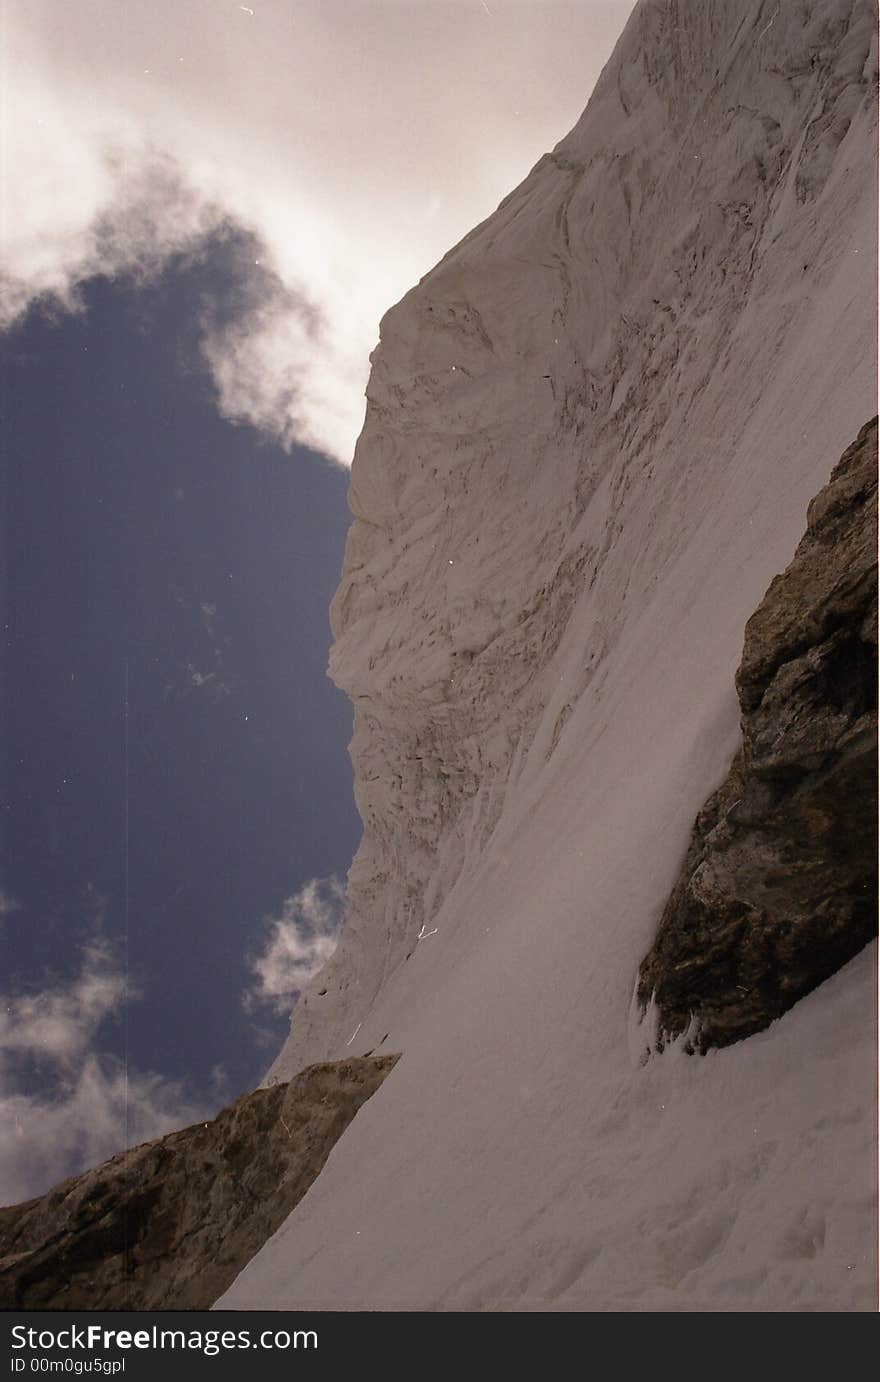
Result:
{"points": [[601, 657], [592, 434]]}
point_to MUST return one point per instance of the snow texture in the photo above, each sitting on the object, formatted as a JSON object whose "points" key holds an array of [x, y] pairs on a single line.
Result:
{"points": [[592, 434]]}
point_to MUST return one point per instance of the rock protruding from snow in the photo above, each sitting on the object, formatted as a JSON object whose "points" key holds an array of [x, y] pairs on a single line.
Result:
{"points": [[779, 887], [169, 1225]]}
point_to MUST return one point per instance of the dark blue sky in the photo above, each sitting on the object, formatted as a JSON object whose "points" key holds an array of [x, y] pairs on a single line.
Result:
{"points": [[148, 540]]}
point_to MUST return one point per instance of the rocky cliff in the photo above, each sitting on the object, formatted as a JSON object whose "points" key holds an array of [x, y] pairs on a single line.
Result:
{"points": [[559, 413], [592, 434], [169, 1225], [779, 887]]}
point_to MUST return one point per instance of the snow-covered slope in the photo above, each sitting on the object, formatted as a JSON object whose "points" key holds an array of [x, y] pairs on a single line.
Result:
{"points": [[592, 434]]}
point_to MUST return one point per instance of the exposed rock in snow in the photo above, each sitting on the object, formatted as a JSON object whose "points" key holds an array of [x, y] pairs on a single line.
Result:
{"points": [[592, 433], [779, 887], [169, 1224]]}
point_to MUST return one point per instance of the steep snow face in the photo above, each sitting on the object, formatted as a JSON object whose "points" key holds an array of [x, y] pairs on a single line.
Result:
{"points": [[592, 433]]}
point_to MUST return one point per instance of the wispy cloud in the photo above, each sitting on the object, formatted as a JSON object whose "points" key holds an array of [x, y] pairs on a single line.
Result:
{"points": [[134, 210], [8, 904], [135, 133], [205, 673], [58, 1024], [198, 680], [297, 943], [90, 1105]]}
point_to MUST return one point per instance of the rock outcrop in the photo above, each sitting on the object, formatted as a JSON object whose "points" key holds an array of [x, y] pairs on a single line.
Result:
{"points": [[170, 1224], [779, 887]]}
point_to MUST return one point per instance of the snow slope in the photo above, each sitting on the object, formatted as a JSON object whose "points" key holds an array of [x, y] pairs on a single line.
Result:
{"points": [[592, 433]]}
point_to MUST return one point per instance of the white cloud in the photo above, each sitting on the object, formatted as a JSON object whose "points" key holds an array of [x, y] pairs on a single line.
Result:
{"points": [[90, 1105], [297, 944], [355, 142], [58, 1024]]}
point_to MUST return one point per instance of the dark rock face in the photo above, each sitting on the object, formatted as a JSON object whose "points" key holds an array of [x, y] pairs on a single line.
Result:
{"points": [[170, 1224], [779, 886]]}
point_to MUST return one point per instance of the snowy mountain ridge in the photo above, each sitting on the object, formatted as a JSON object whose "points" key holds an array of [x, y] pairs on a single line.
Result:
{"points": [[592, 434]]}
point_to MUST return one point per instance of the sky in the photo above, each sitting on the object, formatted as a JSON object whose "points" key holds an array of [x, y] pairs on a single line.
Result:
{"points": [[206, 208]]}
